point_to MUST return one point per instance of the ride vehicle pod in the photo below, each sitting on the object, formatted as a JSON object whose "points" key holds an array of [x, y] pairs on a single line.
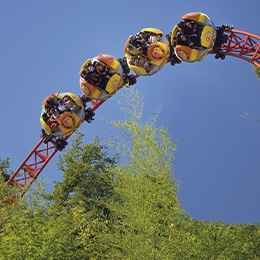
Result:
{"points": [[206, 34], [100, 77], [154, 54], [67, 120]]}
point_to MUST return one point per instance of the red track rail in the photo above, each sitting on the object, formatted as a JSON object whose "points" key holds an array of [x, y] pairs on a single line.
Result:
{"points": [[240, 44], [37, 159], [32, 166], [243, 45]]}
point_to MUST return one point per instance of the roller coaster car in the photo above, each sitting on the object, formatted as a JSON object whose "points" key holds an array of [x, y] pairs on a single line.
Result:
{"points": [[206, 36], [147, 52], [100, 77], [66, 121]]}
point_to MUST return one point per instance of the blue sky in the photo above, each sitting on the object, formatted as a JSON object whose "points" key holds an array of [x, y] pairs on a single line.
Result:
{"points": [[44, 44]]}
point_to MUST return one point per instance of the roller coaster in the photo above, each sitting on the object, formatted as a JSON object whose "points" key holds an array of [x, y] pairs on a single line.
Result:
{"points": [[146, 53]]}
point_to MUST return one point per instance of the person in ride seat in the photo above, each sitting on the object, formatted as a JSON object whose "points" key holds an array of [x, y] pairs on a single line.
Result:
{"points": [[132, 50], [139, 40], [142, 59], [180, 26], [102, 69], [53, 101], [93, 78], [136, 40], [62, 107], [46, 114], [133, 58], [53, 120], [189, 35], [89, 66], [104, 72], [182, 39], [144, 36], [190, 28], [69, 102]]}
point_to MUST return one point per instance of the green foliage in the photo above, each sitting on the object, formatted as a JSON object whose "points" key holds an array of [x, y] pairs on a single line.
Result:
{"points": [[257, 71], [86, 174], [32, 228], [4, 166], [86, 187], [214, 240], [145, 191], [103, 209], [63, 224]]}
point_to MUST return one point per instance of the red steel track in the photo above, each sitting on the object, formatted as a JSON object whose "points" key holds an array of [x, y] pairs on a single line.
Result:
{"points": [[37, 159], [240, 44], [243, 45]]}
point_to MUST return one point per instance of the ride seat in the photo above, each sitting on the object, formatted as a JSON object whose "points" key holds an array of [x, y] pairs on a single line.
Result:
{"points": [[126, 46], [84, 66], [138, 70], [206, 36], [75, 99], [89, 90], [45, 125], [174, 33], [196, 17], [109, 60], [157, 53], [152, 30], [187, 53], [113, 83], [74, 119]]}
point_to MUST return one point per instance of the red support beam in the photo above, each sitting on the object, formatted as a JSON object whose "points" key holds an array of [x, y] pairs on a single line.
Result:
{"points": [[243, 45], [240, 44], [39, 157], [36, 161], [32, 166]]}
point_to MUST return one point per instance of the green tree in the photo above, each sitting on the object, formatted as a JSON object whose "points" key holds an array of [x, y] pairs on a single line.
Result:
{"points": [[86, 187], [144, 201], [45, 225], [86, 175], [257, 71], [245, 114], [105, 209], [193, 239], [4, 166], [33, 228]]}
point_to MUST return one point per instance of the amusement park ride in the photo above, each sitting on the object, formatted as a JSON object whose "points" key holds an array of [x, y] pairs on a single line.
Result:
{"points": [[101, 77]]}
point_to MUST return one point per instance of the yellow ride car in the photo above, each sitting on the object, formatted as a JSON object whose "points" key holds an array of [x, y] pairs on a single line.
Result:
{"points": [[147, 51], [59, 117], [100, 77], [205, 34]]}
